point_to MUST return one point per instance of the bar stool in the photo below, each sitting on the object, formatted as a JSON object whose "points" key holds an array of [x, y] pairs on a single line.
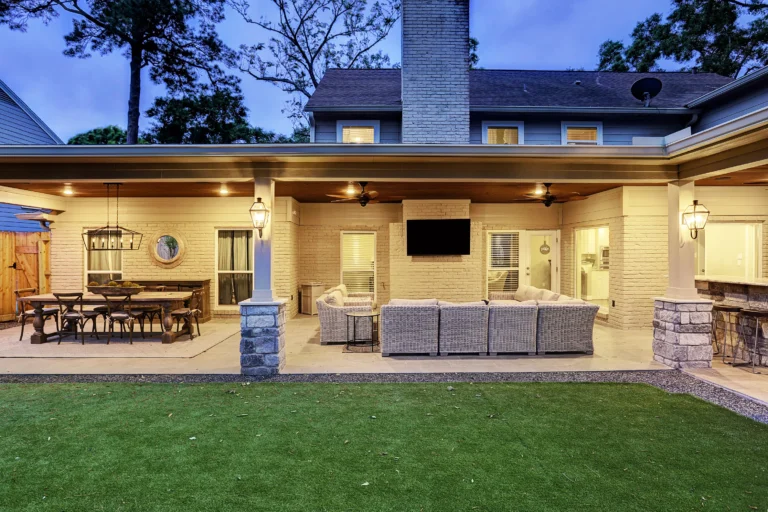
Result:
{"points": [[725, 310], [758, 315]]}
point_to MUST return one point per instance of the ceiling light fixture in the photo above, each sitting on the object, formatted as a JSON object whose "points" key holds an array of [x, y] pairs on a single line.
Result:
{"points": [[351, 189], [112, 237], [223, 190], [68, 189]]}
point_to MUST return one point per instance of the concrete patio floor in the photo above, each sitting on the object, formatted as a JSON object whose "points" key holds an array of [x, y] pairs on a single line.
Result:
{"points": [[615, 350]]}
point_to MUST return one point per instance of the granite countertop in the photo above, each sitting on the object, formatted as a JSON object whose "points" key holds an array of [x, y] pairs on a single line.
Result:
{"points": [[733, 280]]}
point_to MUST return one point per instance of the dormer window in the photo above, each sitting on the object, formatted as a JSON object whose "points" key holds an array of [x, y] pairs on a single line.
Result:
{"points": [[503, 132], [582, 134], [357, 132]]}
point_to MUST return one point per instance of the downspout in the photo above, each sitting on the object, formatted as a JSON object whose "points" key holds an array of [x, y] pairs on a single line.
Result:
{"points": [[692, 121]]}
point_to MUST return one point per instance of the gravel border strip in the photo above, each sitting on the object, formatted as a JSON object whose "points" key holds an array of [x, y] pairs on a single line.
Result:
{"points": [[672, 381]]}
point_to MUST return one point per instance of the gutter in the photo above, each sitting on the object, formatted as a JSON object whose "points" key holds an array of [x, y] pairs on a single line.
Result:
{"points": [[679, 111], [730, 87]]}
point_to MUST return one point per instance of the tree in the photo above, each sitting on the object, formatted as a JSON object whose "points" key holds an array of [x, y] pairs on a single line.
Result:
{"points": [[474, 58], [104, 136], [210, 116], [311, 36], [713, 36], [300, 135], [175, 39]]}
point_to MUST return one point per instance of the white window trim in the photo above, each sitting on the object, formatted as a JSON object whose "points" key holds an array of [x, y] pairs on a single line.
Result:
{"points": [[580, 124], [375, 257], [85, 264], [216, 271], [505, 124], [519, 268], [360, 122], [760, 225]]}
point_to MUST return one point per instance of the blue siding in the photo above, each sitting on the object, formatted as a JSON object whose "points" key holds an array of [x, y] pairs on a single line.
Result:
{"points": [[18, 124], [736, 106], [325, 127], [9, 222]]}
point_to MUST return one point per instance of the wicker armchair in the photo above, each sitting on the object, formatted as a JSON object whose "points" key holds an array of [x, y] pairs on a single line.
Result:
{"points": [[333, 321], [463, 329], [353, 297], [409, 329], [512, 327], [565, 327]]}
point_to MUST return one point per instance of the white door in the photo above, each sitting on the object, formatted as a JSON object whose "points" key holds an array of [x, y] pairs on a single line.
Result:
{"points": [[542, 260]]}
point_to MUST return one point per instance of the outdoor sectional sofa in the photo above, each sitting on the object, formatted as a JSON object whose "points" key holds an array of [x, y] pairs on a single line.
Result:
{"points": [[531, 321]]}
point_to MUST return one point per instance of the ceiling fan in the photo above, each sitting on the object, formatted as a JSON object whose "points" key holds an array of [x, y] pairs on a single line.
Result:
{"points": [[547, 198], [364, 197]]}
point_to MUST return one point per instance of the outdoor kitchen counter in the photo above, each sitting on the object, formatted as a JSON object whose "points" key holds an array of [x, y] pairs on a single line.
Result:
{"points": [[746, 293]]}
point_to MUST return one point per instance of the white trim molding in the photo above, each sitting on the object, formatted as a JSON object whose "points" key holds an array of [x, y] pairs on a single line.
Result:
{"points": [[359, 122], [564, 125], [505, 124]]}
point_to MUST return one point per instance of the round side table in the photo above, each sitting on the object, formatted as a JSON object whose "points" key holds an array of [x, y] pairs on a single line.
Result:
{"points": [[353, 331]]}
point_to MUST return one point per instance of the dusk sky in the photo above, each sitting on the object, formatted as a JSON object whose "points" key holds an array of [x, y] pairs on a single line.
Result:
{"points": [[74, 95]]}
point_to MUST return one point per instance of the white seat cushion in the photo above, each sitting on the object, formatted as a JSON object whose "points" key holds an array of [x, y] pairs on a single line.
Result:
{"points": [[413, 302]]}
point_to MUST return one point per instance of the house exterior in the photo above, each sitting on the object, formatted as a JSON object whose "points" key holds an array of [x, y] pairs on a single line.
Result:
{"points": [[18, 124], [438, 140]]}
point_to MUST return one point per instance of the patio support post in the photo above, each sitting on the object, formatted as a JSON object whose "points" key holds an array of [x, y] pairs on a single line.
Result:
{"points": [[682, 320], [262, 317]]}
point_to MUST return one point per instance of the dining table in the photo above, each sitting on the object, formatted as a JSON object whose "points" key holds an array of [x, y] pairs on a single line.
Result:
{"points": [[169, 301]]}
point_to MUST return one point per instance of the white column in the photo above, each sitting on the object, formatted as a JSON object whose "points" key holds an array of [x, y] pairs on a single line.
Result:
{"points": [[262, 247], [682, 264]]}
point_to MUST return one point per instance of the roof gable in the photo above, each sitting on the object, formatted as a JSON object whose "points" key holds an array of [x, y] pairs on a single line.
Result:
{"points": [[358, 89], [19, 124]]}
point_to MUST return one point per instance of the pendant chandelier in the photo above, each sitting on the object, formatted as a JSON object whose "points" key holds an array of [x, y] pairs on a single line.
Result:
{"points": [[112, 237]]}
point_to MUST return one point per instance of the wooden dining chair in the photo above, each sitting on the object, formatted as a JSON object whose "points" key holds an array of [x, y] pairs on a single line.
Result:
{"points": [[190, 313], [71, 311], [26, 310], [119, 310], [143, 312]]}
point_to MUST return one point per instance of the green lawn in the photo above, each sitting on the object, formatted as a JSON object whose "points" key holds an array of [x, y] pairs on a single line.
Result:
{"points": [[369, 447]]}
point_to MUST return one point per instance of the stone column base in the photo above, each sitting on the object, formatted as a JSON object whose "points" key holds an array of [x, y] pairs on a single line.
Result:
{"points": [[262, 337], [681, 332]]}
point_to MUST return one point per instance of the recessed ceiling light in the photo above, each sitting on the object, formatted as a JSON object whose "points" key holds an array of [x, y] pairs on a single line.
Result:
{"points": [[351, 189], [539, 189], [68, 189], [223, 190]]}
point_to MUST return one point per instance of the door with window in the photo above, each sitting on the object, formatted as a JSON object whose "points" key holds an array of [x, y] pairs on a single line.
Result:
{"points": [[234, 266], [358, 261], [522, 257]]}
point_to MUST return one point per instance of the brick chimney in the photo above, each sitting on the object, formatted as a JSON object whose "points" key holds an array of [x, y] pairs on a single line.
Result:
{"points": [[435, 71]]}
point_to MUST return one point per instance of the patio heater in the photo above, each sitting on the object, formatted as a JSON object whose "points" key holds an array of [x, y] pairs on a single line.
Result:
{"points": [[695, 218], [112, 237]]}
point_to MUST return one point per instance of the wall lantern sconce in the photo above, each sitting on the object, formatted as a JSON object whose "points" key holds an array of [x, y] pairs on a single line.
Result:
{"points": [[695, 218], [259, 215]]}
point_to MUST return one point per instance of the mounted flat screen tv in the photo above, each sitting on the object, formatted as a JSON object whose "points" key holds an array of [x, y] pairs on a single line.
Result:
{"points": [[444, 237]]}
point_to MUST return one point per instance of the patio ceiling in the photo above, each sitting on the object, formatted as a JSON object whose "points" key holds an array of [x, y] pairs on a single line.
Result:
{"points": [[315, 191]]}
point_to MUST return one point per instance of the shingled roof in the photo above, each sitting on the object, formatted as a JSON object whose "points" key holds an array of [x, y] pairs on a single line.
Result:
{"points": [[379, 89], [18, 124]]}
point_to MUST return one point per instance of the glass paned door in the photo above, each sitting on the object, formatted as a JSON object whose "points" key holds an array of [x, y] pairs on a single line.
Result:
{"points": [[542, 265], [503, 264]]}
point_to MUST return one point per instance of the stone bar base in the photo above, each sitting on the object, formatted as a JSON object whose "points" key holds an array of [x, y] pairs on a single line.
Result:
{"points": [[681, 333], [262, 337], [745, 296]]}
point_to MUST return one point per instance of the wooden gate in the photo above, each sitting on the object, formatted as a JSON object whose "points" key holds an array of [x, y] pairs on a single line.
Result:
{"points": [[25, 262]]}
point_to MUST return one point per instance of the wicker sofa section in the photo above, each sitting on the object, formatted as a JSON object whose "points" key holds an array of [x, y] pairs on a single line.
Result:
{"points": [[565, 326], [352, 297], [512, 327], [333, 320], [463, 328], [409, 329]]}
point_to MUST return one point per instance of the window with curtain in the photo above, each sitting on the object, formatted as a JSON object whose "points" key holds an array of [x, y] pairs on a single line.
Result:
{"points": [[581, 135], [234, 268], [503, 135], [102, 266], [358, 135], [358, 262], [503, 261]]}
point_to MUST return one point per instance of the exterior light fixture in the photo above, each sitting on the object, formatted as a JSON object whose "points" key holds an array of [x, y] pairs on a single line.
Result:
{"points": [[112, 237], [223, 190], [259, 215], [695, 218], [68, 189]]}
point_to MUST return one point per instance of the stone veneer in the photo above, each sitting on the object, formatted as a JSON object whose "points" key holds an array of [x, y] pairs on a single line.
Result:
{"points": [[681, 333], [262, 337], [744, 296]]}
